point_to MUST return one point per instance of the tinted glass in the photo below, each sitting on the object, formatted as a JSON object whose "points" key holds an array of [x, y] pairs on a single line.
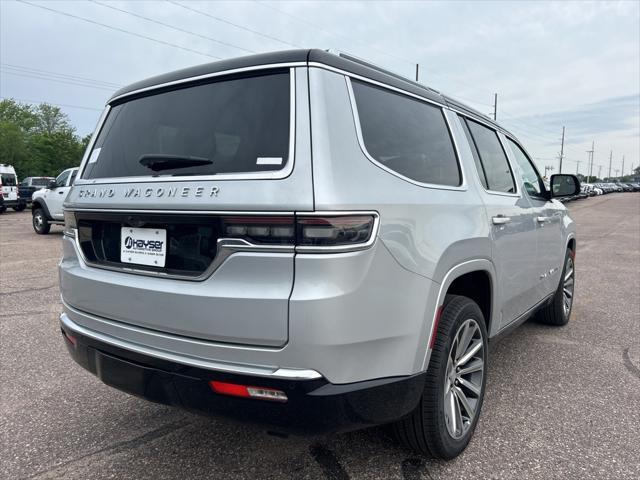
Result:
{"points": [[40, 182], [9, 180], [73, 176], [532, 181], [231, 126], [474, 151], [61, 180], [406, 135], [495, 163]]}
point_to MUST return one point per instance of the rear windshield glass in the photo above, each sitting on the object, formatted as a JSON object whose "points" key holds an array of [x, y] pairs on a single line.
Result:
{"points": [[9, 180], [237, 125], [40, 182]]}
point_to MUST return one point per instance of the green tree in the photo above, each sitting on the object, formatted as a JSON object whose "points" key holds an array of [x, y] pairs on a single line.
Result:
{"points": [[38, 141]]}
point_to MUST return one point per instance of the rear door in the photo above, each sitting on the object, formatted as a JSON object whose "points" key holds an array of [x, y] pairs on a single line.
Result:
{"points": [[55, 197], [512, 219], [9, 186], [216, 170]]}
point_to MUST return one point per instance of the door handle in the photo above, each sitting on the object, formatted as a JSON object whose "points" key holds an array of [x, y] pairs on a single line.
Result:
{"points": [[60, 193], [543, 219], [500, 220]]}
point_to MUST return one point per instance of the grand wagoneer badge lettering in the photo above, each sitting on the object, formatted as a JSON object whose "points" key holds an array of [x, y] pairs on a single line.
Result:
{"points": [[156, 192]]}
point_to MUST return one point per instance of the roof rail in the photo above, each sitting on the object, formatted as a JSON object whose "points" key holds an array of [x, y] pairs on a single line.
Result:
{"points": [[366, 63]]}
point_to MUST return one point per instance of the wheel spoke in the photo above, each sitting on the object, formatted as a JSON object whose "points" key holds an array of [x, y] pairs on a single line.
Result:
{"points": [[475, 348], [465, 402], [464, 339], [568, 275], [458, 414], [470, 386], [568, 293], [450, 405], [476, 366]]}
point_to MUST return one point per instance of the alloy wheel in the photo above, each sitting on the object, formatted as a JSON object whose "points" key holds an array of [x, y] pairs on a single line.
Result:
{"points": [[567, 287], [464, 379]]}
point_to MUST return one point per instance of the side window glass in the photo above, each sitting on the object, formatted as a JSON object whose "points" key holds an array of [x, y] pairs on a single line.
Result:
{"points": [[474, 151], [494, 160], [406, 135], [61, 180], [73, 177], [532, 182]]}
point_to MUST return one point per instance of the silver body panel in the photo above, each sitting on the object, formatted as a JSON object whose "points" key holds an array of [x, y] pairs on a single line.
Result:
{"points": [[348, 316]]}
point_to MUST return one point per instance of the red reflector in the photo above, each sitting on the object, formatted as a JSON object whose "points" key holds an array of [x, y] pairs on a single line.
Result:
{"points": [[434, 329], [243, 391], [229, 389], [73, 340]]}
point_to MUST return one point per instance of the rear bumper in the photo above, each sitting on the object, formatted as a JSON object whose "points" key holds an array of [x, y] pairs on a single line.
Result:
{"points": [[13, 203], [313, 406]]}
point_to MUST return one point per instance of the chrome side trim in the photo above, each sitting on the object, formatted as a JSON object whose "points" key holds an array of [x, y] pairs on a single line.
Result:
{"points": [[356, 117], [225, 248], [182, 212], [272, 175], [242, 369]]}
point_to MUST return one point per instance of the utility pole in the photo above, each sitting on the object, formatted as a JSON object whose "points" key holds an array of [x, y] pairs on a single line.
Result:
{"points": [[417, 70], [590, 152], [547, 168], [622, 166], [578, 162], [610, 157], [495, 106], [561, 151]]}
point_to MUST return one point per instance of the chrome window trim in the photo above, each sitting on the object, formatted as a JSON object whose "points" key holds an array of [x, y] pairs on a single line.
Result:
{"points": [[243, 369], [356, 117], [206, 76], [271, 175], [533, 164], [498, 133], [375, 82]]}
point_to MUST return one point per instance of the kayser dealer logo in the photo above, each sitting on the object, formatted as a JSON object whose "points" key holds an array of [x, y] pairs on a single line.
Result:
{"points": [[154, 245]]}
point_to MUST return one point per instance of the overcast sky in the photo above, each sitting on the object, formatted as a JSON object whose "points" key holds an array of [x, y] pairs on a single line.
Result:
{"points": [[551, 63]]}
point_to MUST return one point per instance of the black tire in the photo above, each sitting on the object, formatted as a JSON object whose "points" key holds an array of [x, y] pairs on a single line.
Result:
{"points": [[40, 222], [555, 313], [20, 207], [425, 430], [3, 209]]}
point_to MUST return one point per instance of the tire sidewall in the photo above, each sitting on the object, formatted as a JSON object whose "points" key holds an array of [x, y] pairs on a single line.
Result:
{"points": [[43, 229], [453, 447], [559, 297]]}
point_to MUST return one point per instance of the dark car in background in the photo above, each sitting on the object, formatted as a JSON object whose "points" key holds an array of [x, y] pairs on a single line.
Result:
{"points": [[32, 184]]}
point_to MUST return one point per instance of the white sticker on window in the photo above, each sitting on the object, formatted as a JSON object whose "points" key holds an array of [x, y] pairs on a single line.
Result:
{"points": [[94, 155], [269, 161]]}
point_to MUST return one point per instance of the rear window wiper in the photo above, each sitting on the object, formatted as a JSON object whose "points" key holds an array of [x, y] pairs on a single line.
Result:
{"points": [[158, 162]]}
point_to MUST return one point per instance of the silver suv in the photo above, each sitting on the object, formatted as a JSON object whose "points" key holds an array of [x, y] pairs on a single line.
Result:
{"points": [[304, 240]]}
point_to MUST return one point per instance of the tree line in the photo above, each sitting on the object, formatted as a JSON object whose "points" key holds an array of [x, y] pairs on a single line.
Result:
{"points": [[38, 140]]}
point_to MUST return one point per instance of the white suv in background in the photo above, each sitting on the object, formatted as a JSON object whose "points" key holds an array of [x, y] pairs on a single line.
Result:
{"points": [[9, 194], [47, 202]]}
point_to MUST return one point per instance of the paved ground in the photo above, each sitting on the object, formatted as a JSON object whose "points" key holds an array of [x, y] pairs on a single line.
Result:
{"points": [[560, 403]]}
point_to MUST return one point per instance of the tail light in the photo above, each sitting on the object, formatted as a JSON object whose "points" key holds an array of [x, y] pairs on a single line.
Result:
{"points": [[307, 233], [70, 224]]}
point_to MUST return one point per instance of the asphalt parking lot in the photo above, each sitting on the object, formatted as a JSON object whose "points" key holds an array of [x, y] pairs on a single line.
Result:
{"points": [[560, 403]]}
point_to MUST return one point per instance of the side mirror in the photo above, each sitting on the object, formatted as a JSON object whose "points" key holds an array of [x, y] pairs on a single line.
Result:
{"points": [[52, 185], [563, 185]]}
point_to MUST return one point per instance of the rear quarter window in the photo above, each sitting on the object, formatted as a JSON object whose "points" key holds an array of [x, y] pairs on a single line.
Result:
{"points": [[232, 125], [406, 135]]}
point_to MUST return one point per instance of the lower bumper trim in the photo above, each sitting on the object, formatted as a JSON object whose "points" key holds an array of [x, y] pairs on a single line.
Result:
{"points": [[313, 406]]}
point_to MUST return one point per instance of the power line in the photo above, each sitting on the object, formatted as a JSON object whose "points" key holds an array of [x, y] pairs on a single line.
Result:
{"points": [[51, 103], [49, 79], [167, 25], [60, 75], [117, 29], [242, 27]]}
